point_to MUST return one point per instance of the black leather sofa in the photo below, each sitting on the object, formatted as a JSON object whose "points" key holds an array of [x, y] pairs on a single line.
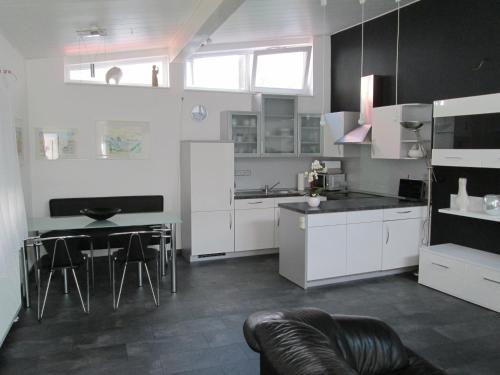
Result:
{"points": [[128, 204], [310, 341]]}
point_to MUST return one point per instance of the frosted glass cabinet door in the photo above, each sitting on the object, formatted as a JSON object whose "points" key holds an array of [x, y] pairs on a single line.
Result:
{"points": [[245, 130], [279, 125], [310, 134]]}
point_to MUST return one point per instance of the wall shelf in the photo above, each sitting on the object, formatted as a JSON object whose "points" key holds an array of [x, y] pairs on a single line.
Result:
{"points": [[473, 214]]}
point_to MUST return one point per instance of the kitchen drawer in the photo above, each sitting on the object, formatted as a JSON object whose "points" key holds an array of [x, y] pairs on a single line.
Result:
{"points": [[249, 204], [322, 220], [457, 157], [368, 216], [299, 199], [482, 286], [404, 213], [442, 273]]}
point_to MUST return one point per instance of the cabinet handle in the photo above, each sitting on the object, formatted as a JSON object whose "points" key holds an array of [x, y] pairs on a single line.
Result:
{"points": [[258, 202], [230, 220], [404, 212], [491, 280], [279, 219], [388, 235], [230, 196], [440, 265], [453, 157]]}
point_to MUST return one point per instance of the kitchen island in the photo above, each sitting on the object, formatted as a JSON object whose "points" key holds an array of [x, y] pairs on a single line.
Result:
{"points": [[349, 239]]}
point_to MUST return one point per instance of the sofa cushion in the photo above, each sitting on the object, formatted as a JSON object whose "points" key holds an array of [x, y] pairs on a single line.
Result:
{"points": [[296, 348]]}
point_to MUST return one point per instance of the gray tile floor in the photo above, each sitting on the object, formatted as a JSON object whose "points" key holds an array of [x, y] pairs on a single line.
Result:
{"points": [[199, 330]]}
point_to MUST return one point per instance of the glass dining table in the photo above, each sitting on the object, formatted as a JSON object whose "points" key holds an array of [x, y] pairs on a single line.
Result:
{"points": [[165, 221]]}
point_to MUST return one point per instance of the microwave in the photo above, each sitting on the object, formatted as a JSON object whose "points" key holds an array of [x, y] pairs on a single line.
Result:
{"points": [[331, 182]]}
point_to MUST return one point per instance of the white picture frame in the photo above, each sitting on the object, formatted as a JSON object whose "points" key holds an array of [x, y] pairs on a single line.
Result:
{"points": [[56, 144], [122, 139]]}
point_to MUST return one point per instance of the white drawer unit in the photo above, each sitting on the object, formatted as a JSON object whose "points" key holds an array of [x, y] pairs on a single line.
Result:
{"points": [[404, 213], [457, 158], [463, 272], [249, 204], [367, 216]]}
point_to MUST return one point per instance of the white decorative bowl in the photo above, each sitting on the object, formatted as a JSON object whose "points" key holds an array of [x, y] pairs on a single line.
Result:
{"points": [[491, 204]]}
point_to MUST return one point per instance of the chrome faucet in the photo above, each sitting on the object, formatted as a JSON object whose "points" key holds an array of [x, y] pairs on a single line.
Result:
{"points": [[268, 189]]}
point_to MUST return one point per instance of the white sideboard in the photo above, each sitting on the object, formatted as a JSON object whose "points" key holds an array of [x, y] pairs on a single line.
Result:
{"points": [[463, 272]]}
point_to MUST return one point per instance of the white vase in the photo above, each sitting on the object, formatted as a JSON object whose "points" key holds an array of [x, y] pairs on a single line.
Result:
{"points": [[313, 201], [462, 197]]}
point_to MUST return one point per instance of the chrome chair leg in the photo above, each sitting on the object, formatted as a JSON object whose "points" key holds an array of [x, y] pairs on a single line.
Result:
{"points": [[158, 278], [121, 285], [78, 288], [64, 272], [45, 297], [150, 283], [139, 274]]}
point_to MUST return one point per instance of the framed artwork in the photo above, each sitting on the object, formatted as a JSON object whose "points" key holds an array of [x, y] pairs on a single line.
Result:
{"points": [[56, 144], [122, 139]]}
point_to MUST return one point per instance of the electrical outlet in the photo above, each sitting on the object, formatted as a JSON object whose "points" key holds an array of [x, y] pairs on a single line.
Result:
{"points": [[243, 172]]}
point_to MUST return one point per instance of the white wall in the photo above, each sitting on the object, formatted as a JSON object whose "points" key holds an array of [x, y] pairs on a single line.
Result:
{"points": [[58, 105]]}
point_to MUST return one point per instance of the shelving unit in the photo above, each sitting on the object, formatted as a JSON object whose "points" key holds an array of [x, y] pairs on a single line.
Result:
{"points": [[472, 214]]}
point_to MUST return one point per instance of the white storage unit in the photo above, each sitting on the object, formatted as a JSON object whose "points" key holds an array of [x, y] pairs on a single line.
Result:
{"points": [[337, 125], [207, 202], [244, 129], [466, 273], [277, 219], [389, 139], [310, 134], [254, 224]]}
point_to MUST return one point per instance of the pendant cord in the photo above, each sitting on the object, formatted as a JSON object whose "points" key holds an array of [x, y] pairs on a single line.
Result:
{"points": [[397, 52], [323, 58], [361, 120]]}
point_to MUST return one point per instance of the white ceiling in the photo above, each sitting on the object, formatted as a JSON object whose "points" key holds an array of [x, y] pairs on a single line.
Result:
{"points": [[45, 28], [276, 19]]}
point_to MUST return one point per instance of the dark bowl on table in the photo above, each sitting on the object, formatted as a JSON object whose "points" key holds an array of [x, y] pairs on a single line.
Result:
{"points": [[100, 213]]}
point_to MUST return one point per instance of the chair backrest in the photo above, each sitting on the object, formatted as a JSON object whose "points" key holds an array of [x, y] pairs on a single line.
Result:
{"points": [[134, 243], [65, 251]]}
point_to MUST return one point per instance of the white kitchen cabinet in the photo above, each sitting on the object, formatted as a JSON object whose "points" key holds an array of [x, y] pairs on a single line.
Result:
{"points": [[211, 176], [401, 243], [310, 134], [337, 125], [254, 229], [364, 247], [244, 129], [277, 219], [212, 232], [389, 139], [326, 252]]}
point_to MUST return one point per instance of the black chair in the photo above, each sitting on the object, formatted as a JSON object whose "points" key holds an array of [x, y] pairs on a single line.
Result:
{"points": [[309, 341], [133, 247], [64, 253]]}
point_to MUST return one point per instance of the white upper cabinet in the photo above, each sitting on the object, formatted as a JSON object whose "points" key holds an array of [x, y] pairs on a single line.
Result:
{"points": [[310, 134], [212, 176], [337, 125], [389, 139], [243, 128], [279, 124]]}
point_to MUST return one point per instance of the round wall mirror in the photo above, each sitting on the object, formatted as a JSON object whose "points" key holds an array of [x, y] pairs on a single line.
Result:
{"points": [[199, 112]]}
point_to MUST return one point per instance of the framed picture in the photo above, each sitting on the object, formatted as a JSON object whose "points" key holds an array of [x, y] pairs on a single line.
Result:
{"points": [[122, 139], [56, 144]]}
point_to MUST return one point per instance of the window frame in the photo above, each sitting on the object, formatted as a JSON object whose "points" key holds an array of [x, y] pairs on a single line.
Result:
{"points": [[145, 59], [244, 76], [272, 90]]}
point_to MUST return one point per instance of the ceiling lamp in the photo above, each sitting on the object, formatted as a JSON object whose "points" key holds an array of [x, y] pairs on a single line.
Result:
{"points": [[93, 32]]}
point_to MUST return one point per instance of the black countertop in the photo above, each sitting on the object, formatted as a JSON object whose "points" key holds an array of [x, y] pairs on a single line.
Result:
{"points": [[354, 204]]}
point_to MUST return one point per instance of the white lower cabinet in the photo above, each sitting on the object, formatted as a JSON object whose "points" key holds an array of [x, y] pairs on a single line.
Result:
{"points": [[401, 243], [212, 232], [463, 272], [364, 247], [254, 229], [326, 252]]}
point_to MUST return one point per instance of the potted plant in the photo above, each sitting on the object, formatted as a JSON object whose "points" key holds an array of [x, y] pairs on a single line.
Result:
{"points": [[312, 178]]}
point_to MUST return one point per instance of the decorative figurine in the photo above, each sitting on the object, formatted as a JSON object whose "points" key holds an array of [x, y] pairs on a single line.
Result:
{"points": [[154, 78], [115, 74]]}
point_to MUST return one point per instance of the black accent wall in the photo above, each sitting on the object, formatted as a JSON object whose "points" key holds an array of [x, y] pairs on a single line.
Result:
{"points": [[442, 44]]}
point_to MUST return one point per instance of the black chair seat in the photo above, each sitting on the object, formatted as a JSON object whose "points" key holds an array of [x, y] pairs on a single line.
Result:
{"points": [[150, 254], [76, 261]]}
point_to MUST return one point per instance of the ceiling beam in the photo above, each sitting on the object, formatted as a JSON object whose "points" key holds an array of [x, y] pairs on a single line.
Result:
{"points": [[206, 18]]}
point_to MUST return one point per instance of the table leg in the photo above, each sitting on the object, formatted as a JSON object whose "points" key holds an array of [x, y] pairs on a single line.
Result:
{"points": [[65, 280], [139, 274], [37, 277], [163, 251], [173, 263], [26, 285]]}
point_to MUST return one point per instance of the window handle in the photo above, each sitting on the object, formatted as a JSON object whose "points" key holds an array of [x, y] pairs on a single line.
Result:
{"points": [[491, 280]]}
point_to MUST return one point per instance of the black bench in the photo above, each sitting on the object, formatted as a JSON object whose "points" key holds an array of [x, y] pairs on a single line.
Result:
{"points": [[128, 204]]}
